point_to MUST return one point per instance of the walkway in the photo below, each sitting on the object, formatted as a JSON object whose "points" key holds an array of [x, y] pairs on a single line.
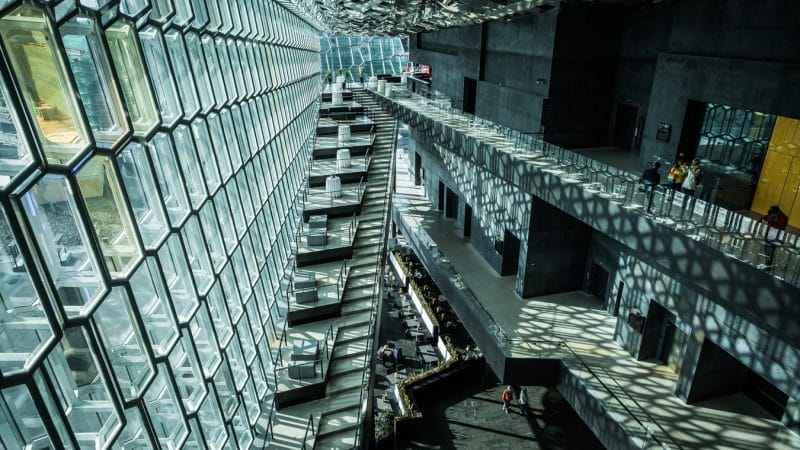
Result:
{"points": [[645, 387]]}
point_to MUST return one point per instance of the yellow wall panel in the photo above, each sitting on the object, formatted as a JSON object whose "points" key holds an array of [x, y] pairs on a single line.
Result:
{"points": [[780, 174]]}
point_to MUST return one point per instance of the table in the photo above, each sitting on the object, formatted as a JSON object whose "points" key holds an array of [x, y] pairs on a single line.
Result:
{"points": [[318, 221], [418, 336], [428, 354], [342, 158], [333, 186], [305, 350], [411, 323], [344, 134]]}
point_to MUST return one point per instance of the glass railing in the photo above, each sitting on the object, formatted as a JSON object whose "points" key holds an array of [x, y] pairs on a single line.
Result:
{"points": [[615, 398], [730, 232]]}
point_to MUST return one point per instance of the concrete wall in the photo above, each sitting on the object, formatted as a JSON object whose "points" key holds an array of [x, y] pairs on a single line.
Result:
{"points": [[591, 57]]}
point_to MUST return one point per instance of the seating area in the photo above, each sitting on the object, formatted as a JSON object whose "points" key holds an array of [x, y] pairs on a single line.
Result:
{"points": [[318, 230]]}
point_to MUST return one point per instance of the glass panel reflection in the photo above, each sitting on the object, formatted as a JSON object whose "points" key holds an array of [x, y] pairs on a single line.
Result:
{"points": [[52, 212], [131, 72], [41, 74], [108, 212], [92, 72]]}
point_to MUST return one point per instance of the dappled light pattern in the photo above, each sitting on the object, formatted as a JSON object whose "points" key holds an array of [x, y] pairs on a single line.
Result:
{"points": [[637, 395]]}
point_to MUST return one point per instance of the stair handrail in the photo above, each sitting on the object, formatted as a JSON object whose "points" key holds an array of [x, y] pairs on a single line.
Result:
{"points": [[309, 426], [377, 290]]}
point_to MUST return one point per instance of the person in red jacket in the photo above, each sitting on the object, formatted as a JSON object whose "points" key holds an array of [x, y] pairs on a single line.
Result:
{"points": [[776, 222], [508, 395]]}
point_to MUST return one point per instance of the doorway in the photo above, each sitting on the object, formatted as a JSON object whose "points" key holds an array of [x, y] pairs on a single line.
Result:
{"points": [[417, 169], [467, 220], [625, 126], [510, 263], [470, 95], [662, 339], [451, 204], [440, 204], [597, 284]]}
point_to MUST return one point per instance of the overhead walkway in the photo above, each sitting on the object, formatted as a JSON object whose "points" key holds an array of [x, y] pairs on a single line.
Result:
{"points": [[628, 403]]}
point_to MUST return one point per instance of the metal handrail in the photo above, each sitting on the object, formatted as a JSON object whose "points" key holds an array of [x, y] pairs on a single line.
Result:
{"points": [[377, 289], [309, 426], [571, 353], [786, 264]]}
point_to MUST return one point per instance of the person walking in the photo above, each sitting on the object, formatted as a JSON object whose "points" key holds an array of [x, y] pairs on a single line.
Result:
{"points": [[508, 396], [776, 222], [524, 408], [650, 179]]}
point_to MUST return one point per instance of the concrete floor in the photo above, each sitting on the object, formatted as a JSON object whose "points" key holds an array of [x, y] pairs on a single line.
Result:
{"points": [[646, 388]]}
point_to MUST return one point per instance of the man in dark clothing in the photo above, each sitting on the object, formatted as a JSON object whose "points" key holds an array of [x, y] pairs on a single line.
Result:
{"points": [[776, 222], [650, 179]]}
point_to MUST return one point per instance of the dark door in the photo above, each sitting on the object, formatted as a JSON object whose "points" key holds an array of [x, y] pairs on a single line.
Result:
{"points": [[598, 282], [692, 125], [467, 220], [417, 169], [440, 205], [624, 126], [451, 204], [470, 94], [510, 262]]}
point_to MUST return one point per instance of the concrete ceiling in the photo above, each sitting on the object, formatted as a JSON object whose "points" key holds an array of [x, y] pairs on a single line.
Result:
{"points": [[400, 17]]}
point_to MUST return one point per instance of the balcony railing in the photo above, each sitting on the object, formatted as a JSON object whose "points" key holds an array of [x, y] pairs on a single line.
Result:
{"points": [[732, 233]]}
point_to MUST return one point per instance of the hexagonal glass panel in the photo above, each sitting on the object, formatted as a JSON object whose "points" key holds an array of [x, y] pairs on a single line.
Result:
{"points": [[205, 343], [14, 153], [108, 211], [42, 77], [188, 374], [173, 191], [205, 152], [211, 422], [52, 211], [161, 10], [152, 301], [219, 315], [162, 78], [198, 255], [83, 394], [134, 435], [137, 177], [123, 343], [162, 404], [92, 71], [24, 327], [184, 146], [21, 424], [201, 74], [178, 278], [223, 382], [183, 72], [132, 8], [133, 80]]}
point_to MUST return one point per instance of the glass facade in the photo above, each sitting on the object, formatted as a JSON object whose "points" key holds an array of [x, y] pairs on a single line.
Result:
{"points": [[363, 56], [151, 155]]}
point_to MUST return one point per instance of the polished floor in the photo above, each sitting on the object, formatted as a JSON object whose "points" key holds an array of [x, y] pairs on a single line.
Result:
{"points": [[638, 393]]}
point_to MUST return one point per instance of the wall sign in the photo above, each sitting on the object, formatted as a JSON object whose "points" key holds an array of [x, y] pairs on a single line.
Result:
{"points": [[663, 131]]}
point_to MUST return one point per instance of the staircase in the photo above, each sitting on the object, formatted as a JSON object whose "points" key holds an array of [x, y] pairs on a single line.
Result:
{"points": [[346, 389]]}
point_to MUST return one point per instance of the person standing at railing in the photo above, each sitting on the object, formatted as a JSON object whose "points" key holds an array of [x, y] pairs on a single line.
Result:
{"points": [[776, 222], [650, 179], [675, 177], [693, 177]]}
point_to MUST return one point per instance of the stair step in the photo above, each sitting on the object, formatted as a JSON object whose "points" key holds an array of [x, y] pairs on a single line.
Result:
{"points": [[345, 382], [349, 350]]}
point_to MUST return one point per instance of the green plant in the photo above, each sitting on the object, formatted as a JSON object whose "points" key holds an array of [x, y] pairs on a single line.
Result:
{"points": [[384, 426]]}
